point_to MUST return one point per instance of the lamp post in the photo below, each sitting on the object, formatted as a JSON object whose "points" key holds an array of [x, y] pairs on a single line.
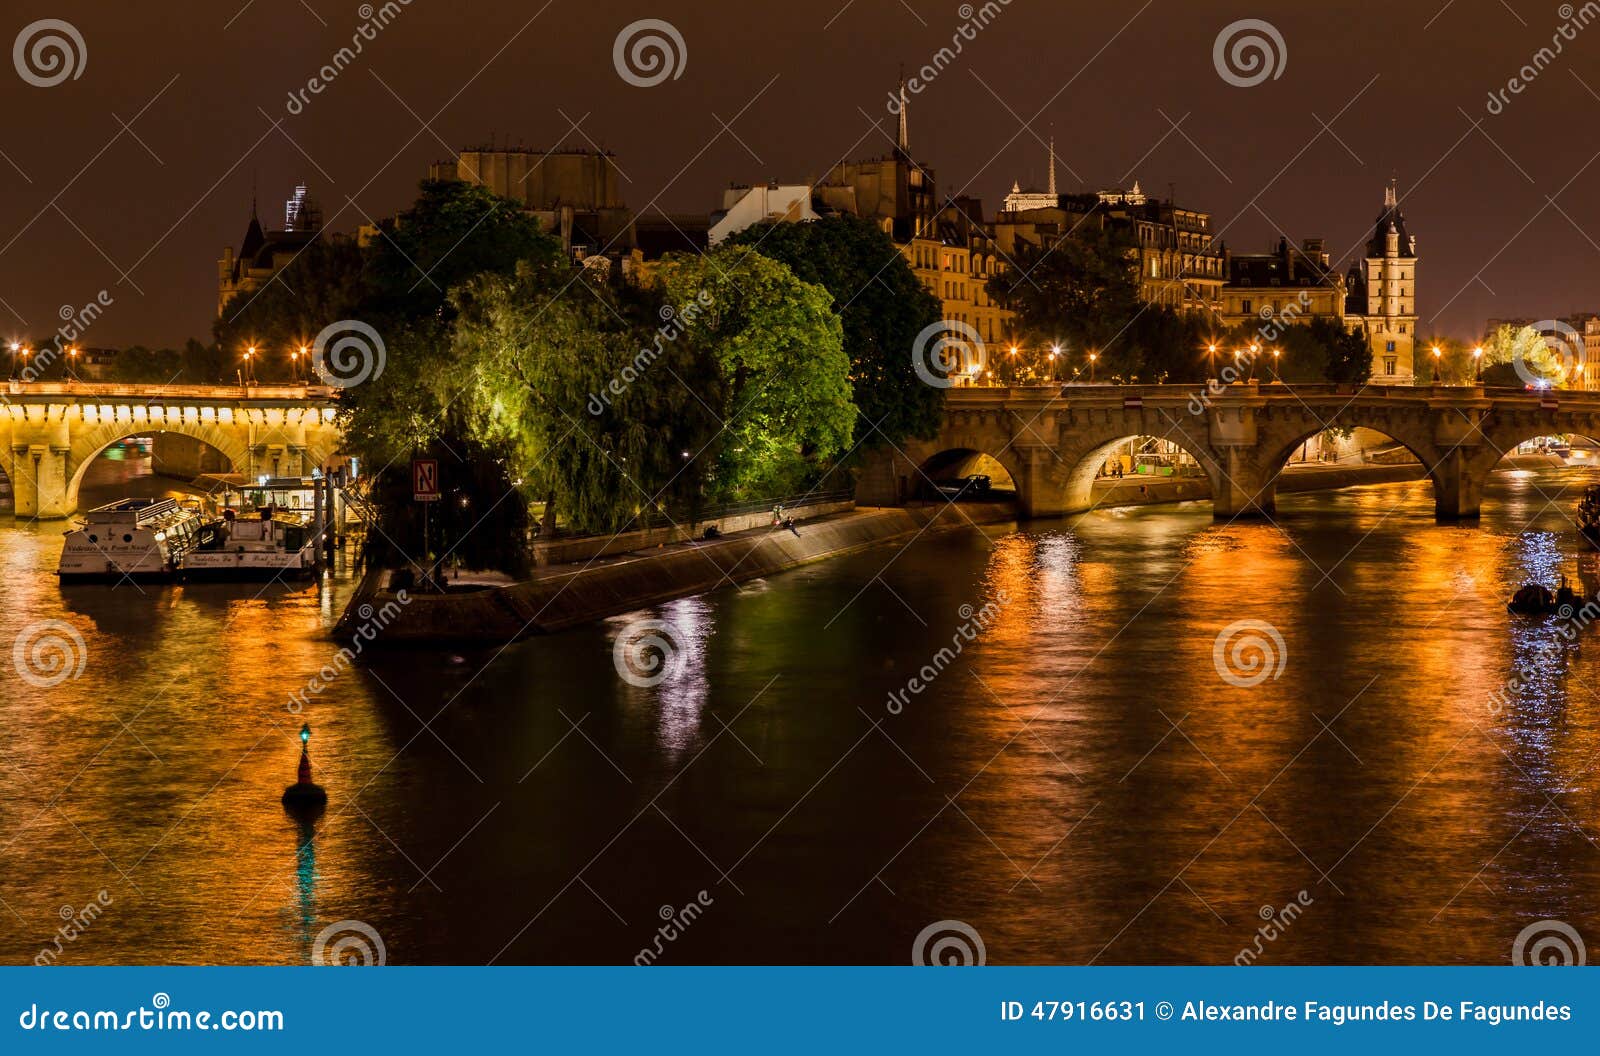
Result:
{"points": [[1211, 359], [1275, 376], [1477, 365], [1055, 350], [72, 362], [1437, 365], [249, 364], [15, 348], [1093, 357]]}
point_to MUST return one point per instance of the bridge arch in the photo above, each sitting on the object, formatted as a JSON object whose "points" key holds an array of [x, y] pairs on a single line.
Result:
{"points": [[1082, 458], [90, 443]]}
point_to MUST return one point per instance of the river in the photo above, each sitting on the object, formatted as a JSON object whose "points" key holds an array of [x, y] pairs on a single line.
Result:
{"points": [[1078, 784]]}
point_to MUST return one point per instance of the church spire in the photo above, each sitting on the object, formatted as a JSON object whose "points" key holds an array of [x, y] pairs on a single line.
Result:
{"points": [[903, 141], [1052, 188], [1391, 199]]}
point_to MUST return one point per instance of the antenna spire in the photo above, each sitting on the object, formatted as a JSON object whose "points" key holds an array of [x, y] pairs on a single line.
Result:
{"points": [[1052, 189], [903, 141]]}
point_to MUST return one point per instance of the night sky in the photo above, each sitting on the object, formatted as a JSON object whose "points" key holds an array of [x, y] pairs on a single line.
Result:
{"points": [[1506, 215]]}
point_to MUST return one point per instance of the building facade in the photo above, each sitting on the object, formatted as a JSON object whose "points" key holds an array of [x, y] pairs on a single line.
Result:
{"points": [[262, 254], [1178, 263], [574, 193], [1382, 295], [1292, 284]]}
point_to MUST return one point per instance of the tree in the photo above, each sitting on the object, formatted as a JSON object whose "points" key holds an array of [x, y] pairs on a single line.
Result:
{"points": [[419, 404], [778, 349], [1081, 291], [321, 285], [883, 308], [606, 423], [1349, 356], [454, 232], [1520, 356]]}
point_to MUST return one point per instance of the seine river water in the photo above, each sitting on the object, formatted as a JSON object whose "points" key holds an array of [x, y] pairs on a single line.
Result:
{"points": [[1080, 784]]}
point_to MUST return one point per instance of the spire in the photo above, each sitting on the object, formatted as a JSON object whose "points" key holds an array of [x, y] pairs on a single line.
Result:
{"points": [[1390, 198], [904, 139], [1052, 189]]}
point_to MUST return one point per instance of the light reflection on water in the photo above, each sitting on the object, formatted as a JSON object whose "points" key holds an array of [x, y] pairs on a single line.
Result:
{"points": [[1079, 783]]}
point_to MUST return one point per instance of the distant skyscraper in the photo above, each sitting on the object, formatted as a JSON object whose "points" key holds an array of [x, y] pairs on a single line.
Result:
{"points": [[301, 213]]}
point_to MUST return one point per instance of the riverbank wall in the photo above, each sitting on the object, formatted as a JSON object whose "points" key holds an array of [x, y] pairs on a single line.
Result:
{"points": [[558, 598]]}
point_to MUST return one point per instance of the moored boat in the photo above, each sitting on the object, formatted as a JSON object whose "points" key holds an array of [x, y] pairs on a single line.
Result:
{"points": [[260, 545], [1589, 514], [134, 539]]}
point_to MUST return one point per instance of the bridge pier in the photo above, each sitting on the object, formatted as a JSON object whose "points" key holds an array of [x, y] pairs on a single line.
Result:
{"points": [[37, 465], [1457, 489]]}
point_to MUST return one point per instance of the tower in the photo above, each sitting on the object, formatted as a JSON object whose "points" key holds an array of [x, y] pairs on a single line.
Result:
{"points": [[1382, 296]]}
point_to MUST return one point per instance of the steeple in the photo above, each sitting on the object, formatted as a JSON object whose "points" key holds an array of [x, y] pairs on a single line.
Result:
{"points": [[903, 141], [1391, 199], [1052, 188]]}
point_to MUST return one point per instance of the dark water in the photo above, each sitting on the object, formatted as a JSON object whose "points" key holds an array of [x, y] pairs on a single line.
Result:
{"points": [[527, 805]]}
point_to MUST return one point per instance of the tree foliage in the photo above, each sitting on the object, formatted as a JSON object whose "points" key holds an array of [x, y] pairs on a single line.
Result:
{"points": [[778, 349], [883, 308]]}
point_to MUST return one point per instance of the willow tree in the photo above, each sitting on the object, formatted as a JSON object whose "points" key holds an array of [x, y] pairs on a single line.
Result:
{"points": [[607, 420]]}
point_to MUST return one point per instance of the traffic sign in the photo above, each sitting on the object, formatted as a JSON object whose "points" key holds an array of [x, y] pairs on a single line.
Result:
{"points": [[425, 479]]}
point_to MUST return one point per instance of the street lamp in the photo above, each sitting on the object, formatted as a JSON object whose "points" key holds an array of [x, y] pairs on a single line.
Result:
{"points": [[1055, 350], [15, 348], [1275, 354], [249, 372], [1093, 356], [1477, 364], [1436, 365], [72, 362], [1211, 358]]}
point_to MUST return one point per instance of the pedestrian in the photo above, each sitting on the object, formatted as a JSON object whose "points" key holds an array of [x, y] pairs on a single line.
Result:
{"points": [[788, 523]]}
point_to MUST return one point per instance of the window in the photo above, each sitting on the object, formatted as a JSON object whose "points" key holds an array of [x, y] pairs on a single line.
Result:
{"points": [[1402, 328], [1389, 364], [1245, 305], [1389, 347]]}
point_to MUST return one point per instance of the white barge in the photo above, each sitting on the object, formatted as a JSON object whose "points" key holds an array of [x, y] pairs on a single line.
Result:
{"points": [[135, 539]]}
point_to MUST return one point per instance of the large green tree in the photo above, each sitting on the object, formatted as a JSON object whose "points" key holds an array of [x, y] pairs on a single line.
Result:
{"points": [[322, 284], [778, 347], [883, 309]]}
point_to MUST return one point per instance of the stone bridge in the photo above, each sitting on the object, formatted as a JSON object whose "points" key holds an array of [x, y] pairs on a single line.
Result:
{"points": [[51, 431], [1053, 440]]}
